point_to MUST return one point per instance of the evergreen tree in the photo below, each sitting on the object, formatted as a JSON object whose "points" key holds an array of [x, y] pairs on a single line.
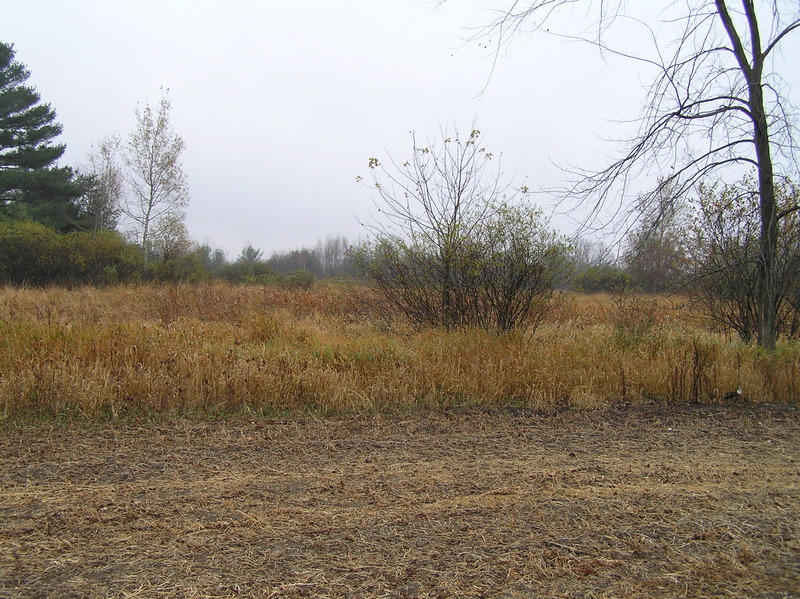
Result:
{"points": [[31, 186]]}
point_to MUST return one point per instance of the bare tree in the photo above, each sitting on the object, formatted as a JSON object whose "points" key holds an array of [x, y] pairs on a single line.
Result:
{"points": [[332, 255], [724, 236], [106, 187], [655, 253], [716, 103], [158, 187]]}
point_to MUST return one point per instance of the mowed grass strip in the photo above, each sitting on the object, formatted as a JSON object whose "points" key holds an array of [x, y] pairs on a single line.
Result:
{"points": [[218, 349], [640, 502]]}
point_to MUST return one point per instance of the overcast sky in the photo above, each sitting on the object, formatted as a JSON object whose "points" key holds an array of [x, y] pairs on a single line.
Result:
{"points": [[281, 103]]}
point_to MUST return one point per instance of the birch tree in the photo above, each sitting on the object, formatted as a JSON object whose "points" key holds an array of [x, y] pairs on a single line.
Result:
{"points": [[157, 185]]}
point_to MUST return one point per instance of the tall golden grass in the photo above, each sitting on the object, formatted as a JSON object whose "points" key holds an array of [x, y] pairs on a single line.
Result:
{"points": [[218, 349]]}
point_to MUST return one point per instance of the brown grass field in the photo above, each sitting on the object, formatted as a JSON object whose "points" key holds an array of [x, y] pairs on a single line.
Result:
{"points": [[216, 349], [699, 501], [217, 441]]}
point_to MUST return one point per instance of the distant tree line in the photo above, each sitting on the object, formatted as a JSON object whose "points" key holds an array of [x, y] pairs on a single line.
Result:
{"points": [[32, 253], [329, 258]]}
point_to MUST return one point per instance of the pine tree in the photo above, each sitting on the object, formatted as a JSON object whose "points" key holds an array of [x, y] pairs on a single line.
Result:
{"points": [[32, 187]]}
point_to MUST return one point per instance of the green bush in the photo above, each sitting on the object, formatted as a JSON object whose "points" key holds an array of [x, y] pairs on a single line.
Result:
{"points": [[299, 279], [101, 259], [30, 253], [603, 278], [187, 268], [33, 254]]}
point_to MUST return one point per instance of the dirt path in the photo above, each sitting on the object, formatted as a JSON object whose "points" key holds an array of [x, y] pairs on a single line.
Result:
{"points": [[632, 503]]}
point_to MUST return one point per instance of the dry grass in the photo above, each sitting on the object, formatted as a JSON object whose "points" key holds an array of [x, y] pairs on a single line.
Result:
{"points": [[218, 349], [640, 502]]}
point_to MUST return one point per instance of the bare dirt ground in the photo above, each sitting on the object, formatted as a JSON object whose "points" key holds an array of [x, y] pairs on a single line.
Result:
{"points": [[644, 502]]}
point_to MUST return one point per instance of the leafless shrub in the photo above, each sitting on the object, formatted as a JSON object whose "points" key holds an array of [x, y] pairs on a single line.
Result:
{"points": [[456, 246]]}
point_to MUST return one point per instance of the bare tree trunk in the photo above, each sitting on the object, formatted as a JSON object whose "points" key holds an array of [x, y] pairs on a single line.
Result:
{"points": [[767, 317], [145, 240]]}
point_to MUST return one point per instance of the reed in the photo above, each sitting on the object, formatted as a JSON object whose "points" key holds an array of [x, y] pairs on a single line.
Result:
{"points": [[219, 349]]}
